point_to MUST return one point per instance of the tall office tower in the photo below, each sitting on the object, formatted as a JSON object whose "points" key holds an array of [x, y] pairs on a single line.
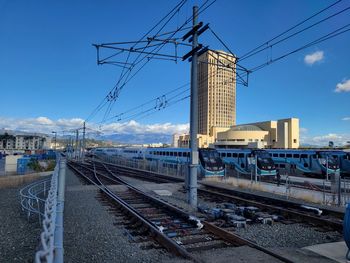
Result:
{"points": [[216, 91]]}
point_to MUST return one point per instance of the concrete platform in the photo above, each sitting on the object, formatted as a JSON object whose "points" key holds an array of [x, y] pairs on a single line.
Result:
{"points": [[335, 251]]}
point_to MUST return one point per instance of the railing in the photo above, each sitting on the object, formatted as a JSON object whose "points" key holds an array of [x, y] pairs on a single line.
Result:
{"points": [[49, 220], [33, 198], [50, 212], [51, 238]]}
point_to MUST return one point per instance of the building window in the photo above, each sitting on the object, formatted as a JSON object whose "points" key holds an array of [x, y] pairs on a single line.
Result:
{"points": [[295, 140]]}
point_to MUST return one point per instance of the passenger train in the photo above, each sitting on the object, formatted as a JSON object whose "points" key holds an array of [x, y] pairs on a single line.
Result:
{"points": [[344, 161], [308, 162], [242, 161], [209, 159]]}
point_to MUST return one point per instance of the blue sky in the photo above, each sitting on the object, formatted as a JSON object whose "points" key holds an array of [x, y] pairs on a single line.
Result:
{"points": [[49, 76]]}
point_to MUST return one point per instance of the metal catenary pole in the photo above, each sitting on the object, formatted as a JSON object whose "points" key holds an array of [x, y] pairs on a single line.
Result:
{"points": [[76, 144], [83, 151], [192, 193]]}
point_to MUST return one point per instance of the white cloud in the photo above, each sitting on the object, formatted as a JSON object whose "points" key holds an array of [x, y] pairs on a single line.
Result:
{"points": [[310, 59], [343, 86], [346, 119], [323, 140], [46, 125], [138, 128]]}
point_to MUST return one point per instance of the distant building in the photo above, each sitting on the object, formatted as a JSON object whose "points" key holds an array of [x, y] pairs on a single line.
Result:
{"points": [[203, 141], [217, 112], [21, 141], [175, 142], [216, 91], [282, 133]]}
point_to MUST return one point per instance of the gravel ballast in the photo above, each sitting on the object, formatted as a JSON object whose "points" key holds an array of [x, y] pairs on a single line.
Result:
{"points": [[276, 235], [18, 237], [89, 233]]}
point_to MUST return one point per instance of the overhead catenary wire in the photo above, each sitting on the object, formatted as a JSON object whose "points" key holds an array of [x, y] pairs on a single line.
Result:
{"points": [[127, 79], [270, 45], [330, 35], [123, 117], [103, 103], [290, 29], [117, 88]]}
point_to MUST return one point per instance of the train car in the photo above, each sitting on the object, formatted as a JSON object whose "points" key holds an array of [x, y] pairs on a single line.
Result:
{"points": [[343, 159], [242, 161], [210, 161], [126, 152], [308, 162]]}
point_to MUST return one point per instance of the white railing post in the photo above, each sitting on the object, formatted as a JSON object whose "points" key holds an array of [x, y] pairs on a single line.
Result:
{"points": [[59, 212]]}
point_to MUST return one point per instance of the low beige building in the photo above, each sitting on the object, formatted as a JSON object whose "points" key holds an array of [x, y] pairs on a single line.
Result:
{"points": [[282, 133], [203, 141], [242, 136]]}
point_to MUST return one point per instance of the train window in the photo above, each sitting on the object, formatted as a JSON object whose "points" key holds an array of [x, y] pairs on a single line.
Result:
{"points": [[296, 155], [277, 165], [275, 155], [185, 154], [180, 154], [306, 165], [282, 165], [314, 156], [171, 153], [289, 155], [240, 155], [228, 154], [303, 155], [167, 153], [175, 153], [282, 155], [234, 155], [223, 155]]}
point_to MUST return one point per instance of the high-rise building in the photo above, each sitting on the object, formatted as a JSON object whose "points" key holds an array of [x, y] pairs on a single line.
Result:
{"points": [[216, 91]]}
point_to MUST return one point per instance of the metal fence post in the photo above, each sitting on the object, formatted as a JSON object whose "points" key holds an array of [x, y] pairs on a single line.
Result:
{"points": [[60, 207]]}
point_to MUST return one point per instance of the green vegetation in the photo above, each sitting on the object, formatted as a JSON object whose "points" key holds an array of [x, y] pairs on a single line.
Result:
{"points": [[37, 167]]}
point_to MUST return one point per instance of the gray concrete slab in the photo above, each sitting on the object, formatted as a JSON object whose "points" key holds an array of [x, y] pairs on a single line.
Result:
{"points": [[335, 251]]}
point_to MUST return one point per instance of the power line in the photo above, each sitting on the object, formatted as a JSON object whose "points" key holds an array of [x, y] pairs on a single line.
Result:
{"points": [[294, 34], [103, 103], [127, 79], [330, 35], [291, 28]]}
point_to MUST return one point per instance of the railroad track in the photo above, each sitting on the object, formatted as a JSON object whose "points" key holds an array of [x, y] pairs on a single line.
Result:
{"points": [[174, 229], [331, 219]]}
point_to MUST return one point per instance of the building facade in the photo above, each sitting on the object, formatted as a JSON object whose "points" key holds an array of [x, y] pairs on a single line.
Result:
{"points": [[14, 141], [282, 133], [216, 91]]}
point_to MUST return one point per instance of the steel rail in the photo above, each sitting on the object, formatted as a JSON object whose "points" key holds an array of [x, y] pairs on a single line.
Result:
{"points": [[262, 199], [160, 237], [219, 232], [271, 200], [291, 213]]}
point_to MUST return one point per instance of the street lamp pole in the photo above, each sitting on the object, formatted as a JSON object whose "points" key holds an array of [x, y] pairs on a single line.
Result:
{"points": [[55, 139]]}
